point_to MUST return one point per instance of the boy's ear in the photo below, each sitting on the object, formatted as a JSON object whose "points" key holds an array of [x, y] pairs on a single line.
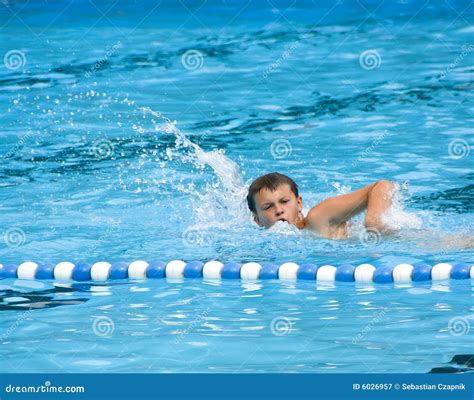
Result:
{"points": [[255, 218], [300, 203]]}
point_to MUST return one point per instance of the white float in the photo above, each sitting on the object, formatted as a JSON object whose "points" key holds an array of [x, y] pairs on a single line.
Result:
{"points": [[212, 270]]}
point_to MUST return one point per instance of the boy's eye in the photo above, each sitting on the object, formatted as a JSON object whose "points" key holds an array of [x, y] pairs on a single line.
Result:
{"points": [[285, 201]]}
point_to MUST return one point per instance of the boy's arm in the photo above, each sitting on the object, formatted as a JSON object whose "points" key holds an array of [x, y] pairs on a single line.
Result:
{"points": [[334, 212]]}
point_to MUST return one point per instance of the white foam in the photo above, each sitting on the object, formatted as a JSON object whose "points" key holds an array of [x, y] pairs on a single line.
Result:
{"points": [[397, 218]]}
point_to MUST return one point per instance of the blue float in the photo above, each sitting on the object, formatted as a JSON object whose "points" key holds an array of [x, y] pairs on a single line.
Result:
{"points": [[45, 271], [383, 274], [231, 271], [307, 271], [118, 270], [193, 269], [269, 271], [82, 272], [8, 271], [461, 271], [345, 273], [156, 270], [421, 272]]}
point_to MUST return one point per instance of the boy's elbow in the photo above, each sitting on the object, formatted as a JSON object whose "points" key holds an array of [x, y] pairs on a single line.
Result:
{"points": [[377, 225], [385, 186], [374, 223]]}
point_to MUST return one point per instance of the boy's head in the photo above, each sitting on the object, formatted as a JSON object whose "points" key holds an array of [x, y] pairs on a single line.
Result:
{"points": [[274, 197]]}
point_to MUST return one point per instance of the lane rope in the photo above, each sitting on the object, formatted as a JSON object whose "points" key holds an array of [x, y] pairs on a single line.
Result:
{"points": [[178, 269]]}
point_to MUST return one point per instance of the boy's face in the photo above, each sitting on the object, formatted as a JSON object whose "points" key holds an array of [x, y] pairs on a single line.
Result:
{"points": [[279, 205]]}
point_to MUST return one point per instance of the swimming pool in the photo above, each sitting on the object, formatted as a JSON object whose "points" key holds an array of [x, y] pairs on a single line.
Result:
{"points": [[131, 133]]}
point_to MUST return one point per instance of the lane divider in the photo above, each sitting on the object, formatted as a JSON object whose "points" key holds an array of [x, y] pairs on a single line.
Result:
{"points": [[178, 269]]}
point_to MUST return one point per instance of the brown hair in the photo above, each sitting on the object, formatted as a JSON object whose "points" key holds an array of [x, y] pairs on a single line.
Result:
{"points": [[271, 182]]}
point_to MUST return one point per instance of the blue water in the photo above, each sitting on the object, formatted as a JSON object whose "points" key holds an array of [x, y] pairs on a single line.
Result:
{"points": [[117, 146]]}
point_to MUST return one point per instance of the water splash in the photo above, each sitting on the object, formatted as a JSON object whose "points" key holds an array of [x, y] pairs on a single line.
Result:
{"points": [[397, 217], [223, 200]]}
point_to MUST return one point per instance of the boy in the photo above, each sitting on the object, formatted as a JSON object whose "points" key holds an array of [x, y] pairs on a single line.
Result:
{"points": [[274, 197]]}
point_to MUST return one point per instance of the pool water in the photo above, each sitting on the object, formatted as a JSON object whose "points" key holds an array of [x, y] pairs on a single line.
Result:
{"points": [[132, 133], [230, 326]]}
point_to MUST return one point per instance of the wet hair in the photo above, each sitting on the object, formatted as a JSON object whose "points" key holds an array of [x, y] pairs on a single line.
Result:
{"points": [[271, 182]]}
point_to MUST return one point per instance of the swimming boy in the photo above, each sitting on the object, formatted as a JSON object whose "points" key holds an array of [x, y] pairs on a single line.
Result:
{"points": [[274, 197]]}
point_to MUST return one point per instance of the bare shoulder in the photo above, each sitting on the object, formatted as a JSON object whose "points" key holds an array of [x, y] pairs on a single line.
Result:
{"points": [[318, 216], [314, 219], [317, 221]]}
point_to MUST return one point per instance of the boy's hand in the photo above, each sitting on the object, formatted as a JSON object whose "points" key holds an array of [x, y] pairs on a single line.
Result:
{"points": [[331, 215]]}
